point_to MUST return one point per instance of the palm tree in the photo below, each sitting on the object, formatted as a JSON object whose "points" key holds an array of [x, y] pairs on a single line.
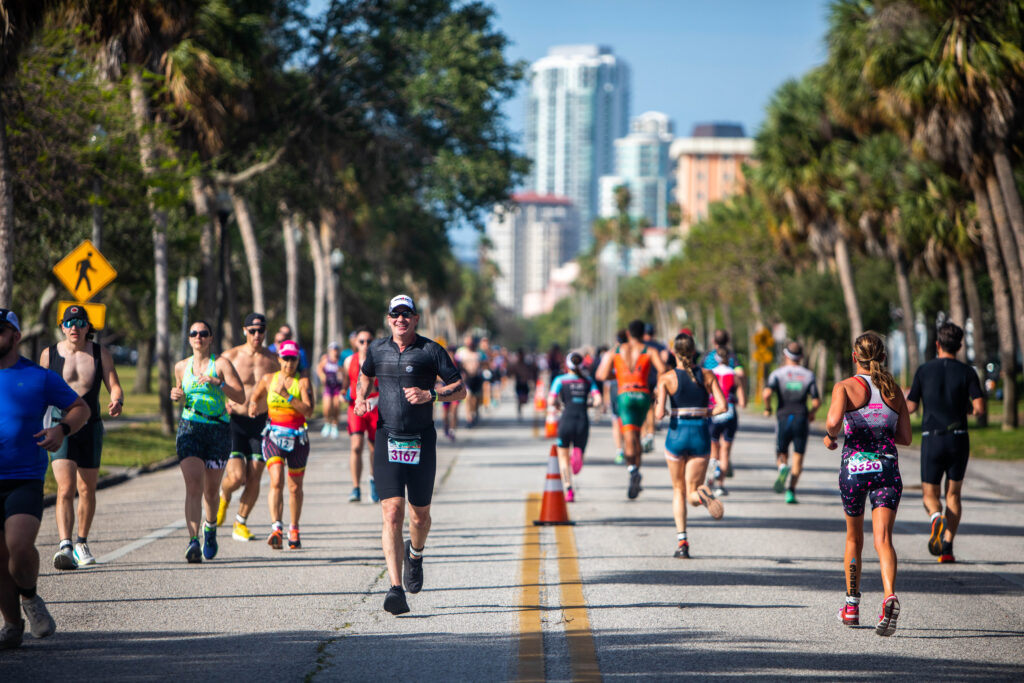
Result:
{"points": [[18, 22], [944, 71]]}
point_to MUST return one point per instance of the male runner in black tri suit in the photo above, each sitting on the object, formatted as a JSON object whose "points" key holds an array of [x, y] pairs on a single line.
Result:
{"points": [[406, 366], [950, 391]]}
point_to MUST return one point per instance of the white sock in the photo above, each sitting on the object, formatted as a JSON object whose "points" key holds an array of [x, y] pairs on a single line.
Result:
{"points": [[934, 515]]}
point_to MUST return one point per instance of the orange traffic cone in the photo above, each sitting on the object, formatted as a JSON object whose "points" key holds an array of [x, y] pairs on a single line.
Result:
{"points": [[540, 398], [552, 506]]}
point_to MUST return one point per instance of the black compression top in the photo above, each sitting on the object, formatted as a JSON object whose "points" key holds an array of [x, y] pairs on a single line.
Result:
{"points": [[91, 397], [689, 393], [417, 366], [946, 388]]}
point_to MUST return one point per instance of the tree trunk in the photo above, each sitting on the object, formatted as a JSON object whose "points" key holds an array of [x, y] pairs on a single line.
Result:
{"points": [[162, 308], [252, 250], [291, 261], [1011, 198], [144, 367], [755, 307], [820, 367], [6, 215], [1001, 300], [209, 230], [699, 335], [232, 321], [1008, 248], [845, 268], [316, 255], [977, 325], [333, 324], [957, 314], [907, 304], [710, 329]]}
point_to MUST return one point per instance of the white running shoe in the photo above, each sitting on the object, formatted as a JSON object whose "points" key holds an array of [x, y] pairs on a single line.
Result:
{"points": [[334, 432], [83, 558], [325, 431], [64, 559], [39, 620], [712, 468]]}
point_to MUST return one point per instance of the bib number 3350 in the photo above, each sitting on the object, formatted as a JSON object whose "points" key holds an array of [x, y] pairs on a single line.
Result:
{"points": [[864, 463], [404, 451]]}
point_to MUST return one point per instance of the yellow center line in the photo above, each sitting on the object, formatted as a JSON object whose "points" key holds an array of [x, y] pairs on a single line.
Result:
{"points": [[582, 654], [531, 637]]}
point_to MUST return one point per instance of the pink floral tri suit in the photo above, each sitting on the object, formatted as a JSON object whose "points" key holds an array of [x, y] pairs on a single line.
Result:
{"points": [[870, 466]]}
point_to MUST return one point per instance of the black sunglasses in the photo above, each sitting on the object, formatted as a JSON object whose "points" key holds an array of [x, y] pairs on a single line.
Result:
{"points": [[394, 315], [202, 334], [256, 330]]}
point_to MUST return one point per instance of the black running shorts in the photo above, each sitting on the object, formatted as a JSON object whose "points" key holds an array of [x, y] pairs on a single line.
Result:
{"points": [[247, 436], [573, 430], [84, 447], [791, 429], [396, 480], [944, 454], [21, 497]]}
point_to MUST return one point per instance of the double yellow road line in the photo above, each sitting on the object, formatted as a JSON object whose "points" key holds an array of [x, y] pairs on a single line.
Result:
{"points": [[582, 655]]}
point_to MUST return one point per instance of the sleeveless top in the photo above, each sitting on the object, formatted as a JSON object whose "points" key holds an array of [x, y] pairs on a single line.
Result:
{"points": [[280, 410], [632, 379], [353, 379], [331, 373], [91, 397], [688, 393], [203, 402], [725, 373], [871, 429]]}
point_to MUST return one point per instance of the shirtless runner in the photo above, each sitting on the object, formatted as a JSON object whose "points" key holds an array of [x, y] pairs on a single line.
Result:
{"points": [[85, 366], [245, 464]]}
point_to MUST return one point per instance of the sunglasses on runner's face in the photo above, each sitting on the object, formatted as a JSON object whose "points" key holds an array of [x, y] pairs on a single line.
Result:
{"points": [[363, 341], [74, 322], [202, 334], [286, 359], [394, 315], [256, 330]]}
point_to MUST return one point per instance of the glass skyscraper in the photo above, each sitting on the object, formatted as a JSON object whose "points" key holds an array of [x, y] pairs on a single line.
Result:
{"points": [[641, 164], [578, 105]]}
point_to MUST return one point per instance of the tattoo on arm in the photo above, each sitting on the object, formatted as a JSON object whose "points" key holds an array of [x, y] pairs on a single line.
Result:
{"points": [[445, 393]]}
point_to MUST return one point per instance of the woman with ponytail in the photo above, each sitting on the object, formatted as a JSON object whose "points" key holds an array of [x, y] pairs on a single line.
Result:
{"points": [[872, 411], [683, 394]]}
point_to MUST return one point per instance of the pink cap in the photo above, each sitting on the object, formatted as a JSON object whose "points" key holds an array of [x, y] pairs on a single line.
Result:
{"points": [[288, 348]]}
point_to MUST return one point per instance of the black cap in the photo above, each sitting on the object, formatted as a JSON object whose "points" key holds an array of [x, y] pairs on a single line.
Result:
{"points": [[255, 319], [649, 328], [75, 312]]}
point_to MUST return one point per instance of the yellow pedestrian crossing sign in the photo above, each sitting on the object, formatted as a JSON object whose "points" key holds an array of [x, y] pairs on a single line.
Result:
{"points": [[84, 271]]}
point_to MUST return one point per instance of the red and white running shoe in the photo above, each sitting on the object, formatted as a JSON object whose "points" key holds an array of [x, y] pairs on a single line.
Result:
{"points": [[887, 620]]}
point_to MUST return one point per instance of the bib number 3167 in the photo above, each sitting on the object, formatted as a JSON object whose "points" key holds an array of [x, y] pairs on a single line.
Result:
{"points": [[404, 451]]}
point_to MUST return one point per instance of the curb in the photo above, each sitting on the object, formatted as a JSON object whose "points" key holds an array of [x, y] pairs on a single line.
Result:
{"points": [[121, 477]]}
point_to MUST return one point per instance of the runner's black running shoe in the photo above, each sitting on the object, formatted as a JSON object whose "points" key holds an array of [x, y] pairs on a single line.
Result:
{"points": [[394, 601], [412, 576], [634, 484], [683, 551]]}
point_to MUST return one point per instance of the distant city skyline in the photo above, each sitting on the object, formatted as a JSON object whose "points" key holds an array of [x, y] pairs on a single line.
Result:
{"points": [[697, 62]]}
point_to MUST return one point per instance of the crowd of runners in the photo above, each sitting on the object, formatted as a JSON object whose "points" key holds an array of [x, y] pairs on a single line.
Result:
{"points": [[248, 410]]}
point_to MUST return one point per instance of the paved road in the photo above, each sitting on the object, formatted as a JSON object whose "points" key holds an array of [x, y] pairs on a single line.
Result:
{"points": [[506, 600]]}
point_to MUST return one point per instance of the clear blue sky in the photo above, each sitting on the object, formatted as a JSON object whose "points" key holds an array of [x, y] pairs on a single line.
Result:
{"points": [[695, 60]]}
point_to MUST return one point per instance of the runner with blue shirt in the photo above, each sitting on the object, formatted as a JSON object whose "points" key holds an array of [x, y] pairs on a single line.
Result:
{"points": [[26, 392], [572, 391]]}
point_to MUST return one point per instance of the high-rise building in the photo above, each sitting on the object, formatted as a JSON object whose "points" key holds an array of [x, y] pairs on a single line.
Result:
{"points": [[642, 165], [530, 239], [708, 167], [578, 105]]}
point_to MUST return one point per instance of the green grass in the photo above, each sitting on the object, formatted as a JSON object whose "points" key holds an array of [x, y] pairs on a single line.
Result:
{"points": [[133, 445], [134, 404]]}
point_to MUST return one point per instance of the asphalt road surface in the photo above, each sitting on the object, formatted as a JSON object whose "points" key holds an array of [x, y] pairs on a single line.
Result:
{"points": [[505, 600]]}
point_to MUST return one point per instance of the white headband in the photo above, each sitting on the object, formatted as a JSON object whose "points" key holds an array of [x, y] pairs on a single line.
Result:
{"points": [[792, 356]]}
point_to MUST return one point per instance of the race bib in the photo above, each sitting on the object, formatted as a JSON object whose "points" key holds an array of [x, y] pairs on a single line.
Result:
{"points": [[864, 463], [282, 441], [405, 451]]}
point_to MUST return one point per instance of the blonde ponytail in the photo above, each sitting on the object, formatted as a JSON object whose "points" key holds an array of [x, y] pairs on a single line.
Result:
{"points": [[869, 350]]}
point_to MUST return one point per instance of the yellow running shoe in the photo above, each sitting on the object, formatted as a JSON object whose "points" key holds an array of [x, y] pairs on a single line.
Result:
{"points": [[241, 532], [222, 510]]}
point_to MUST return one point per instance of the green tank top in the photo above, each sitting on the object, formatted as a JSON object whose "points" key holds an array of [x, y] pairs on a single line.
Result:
{"points": [[203, 402]]}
